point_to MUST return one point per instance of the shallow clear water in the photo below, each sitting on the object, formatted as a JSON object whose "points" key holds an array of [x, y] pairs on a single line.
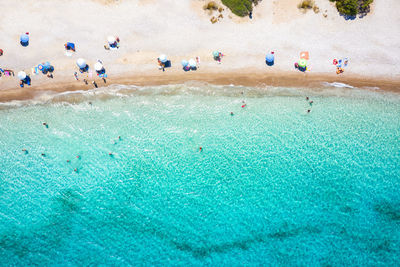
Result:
{"points": [[273, 184]]}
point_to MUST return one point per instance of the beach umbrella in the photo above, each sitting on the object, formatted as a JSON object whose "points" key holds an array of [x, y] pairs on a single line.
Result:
{"points": [[81, 63], [270, 58], [47, 65], [24, 38], [192, 63], [163, 58], [98, 66], [302, 63], [184, 63], [21, 75], [111, 39], [70, 46], [40, 67], [215, 53]]}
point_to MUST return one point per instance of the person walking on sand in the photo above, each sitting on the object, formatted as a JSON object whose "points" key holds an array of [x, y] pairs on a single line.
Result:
{"points": [[76, 76], [95, 84]]}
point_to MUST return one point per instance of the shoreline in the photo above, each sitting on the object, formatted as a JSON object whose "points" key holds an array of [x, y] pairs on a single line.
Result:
{"points": [[237, 78]]}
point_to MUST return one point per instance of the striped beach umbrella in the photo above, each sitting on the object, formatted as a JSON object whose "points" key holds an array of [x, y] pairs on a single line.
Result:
{"points": [[302, 63]]}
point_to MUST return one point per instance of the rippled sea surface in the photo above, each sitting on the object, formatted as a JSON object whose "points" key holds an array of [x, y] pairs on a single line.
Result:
{"points": [[273, 185]]}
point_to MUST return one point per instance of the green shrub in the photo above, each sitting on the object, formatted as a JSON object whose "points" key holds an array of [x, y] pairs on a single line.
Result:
{"points": [[210, 6], [352, 7], [240, 7], [306, 4], [347, 7]]}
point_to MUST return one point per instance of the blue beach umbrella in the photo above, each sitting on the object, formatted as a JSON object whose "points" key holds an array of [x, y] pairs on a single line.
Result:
{"points": [[215, 53], [46, 65], [24, 39], [270, 58], [184, 63]]}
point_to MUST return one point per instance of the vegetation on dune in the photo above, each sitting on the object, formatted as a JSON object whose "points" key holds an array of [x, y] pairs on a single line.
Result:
{"points": [[210, 6], [352, 7], [308, 4], [241, 8]]}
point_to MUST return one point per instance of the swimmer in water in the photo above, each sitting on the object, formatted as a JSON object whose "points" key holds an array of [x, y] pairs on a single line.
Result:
{"points": [[75, 170], [243, 106], [111, 154], [45, 124], [231, 113], [311, 102], [307, 98], [43, 154], [119, 137], [201, 149], [78, 157], [68, 161], [309, 110], [25, 151]]}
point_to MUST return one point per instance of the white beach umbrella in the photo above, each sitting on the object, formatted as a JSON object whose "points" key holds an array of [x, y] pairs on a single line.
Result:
{"points": [[81, 63], [163, 58], [21, 75], [111, 39], [192, 63], [98, 66]]}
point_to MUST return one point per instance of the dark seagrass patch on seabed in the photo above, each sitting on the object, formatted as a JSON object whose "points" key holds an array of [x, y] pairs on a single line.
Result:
{"points": [[388, 210]]}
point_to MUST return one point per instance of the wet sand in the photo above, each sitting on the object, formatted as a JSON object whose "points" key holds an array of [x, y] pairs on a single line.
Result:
{"points": [[255, 79]]}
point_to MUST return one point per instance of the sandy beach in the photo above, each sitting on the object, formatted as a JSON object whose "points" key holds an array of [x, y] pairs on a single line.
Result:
{"points": [[182, 30]]}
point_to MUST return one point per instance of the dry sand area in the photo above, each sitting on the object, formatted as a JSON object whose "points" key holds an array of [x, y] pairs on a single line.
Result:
{"points": [[181, 29]]}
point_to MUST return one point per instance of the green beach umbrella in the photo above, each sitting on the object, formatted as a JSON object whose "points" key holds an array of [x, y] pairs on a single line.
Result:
{"points": [[302, 63], [215, 53]]}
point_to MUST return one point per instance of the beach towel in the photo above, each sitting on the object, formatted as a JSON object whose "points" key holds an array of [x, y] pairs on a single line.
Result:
{"points": [[305, 55], [35, 70], [103, 75], [345, 62]]}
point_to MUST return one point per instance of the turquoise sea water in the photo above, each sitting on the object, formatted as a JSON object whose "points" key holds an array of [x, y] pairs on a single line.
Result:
{"points": [[273, 185]]}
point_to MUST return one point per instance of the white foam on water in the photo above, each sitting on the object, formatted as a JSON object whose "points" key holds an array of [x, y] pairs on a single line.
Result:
{"points": [[191, 88], [338, 85]]}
